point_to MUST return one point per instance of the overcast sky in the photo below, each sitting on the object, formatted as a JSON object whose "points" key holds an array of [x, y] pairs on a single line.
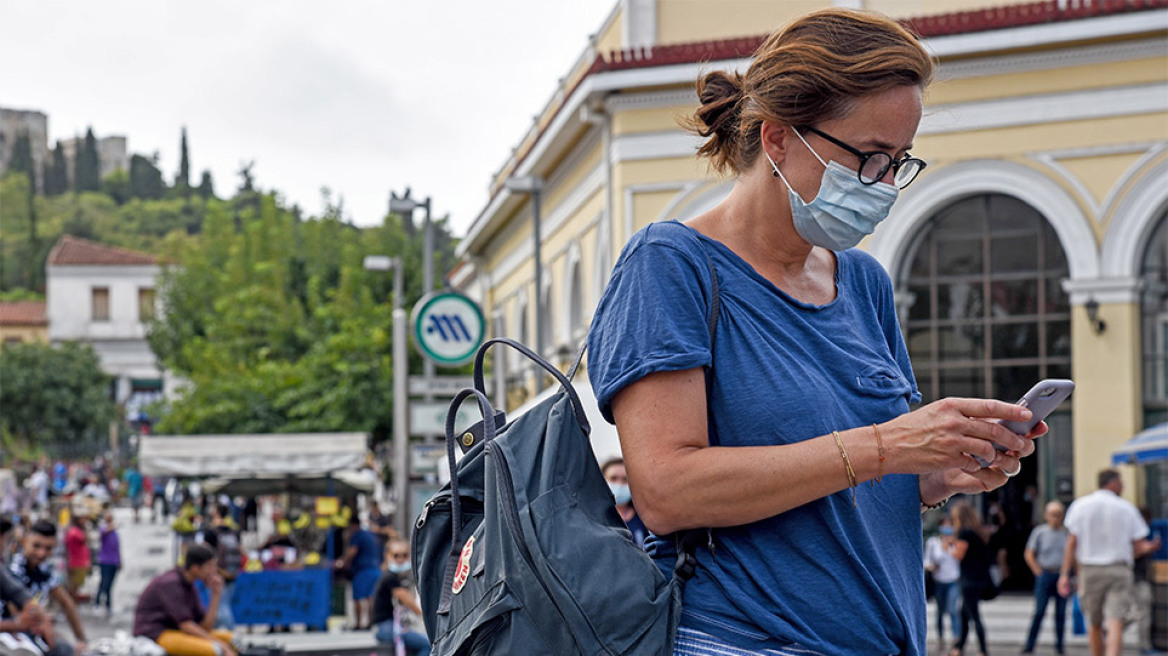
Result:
{"points": [[362, 97]]}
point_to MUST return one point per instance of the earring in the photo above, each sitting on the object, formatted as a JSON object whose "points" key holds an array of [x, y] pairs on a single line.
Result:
{"points": [[775, 173]]}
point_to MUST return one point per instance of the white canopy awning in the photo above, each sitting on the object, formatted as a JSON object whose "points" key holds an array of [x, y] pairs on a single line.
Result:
{"points": [[241, 456]]}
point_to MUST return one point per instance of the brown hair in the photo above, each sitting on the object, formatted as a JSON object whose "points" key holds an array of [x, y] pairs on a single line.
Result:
{"points": [[810, 71], [1107, 477], [966, 517]]}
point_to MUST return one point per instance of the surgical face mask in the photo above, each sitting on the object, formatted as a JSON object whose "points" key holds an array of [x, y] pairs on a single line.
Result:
{"points": [[400, 567], [845, 210], [621, 493], [946, 530]]}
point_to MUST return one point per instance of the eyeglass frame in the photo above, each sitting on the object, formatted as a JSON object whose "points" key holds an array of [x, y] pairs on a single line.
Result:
{"points": [[894, 165]]}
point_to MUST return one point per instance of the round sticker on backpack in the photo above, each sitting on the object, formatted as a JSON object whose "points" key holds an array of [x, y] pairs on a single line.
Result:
{"points": [[463, 572]]}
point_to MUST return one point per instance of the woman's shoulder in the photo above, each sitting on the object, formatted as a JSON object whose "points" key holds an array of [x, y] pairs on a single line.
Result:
{"points": [[672, 234]]}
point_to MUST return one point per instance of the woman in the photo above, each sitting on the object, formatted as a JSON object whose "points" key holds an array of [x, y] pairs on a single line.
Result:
{"points": [[972, 548], [946, 571], [109, 560], [810, 385]]}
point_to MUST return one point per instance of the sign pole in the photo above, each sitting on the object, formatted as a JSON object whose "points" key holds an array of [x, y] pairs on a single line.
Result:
{"points": [[401, 433]]}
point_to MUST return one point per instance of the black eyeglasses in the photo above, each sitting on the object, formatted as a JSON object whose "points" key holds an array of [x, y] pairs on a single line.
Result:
{"points": [[874, 164]]}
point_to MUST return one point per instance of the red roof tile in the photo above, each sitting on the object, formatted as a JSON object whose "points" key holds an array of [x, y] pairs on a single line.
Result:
{"points": [[75, 251], [961, 22], [23, 313]]}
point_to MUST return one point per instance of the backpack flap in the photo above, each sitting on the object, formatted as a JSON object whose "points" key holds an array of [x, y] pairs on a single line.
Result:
{"points": [[476, 433]]}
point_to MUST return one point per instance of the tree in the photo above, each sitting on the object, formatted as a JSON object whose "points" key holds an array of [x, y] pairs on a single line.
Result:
{"points": [[22, 161], [116, 185], [56, 173], [278, 327], [53, 393], [206, 186], [145, 178], [87, 166], [183, 179]]}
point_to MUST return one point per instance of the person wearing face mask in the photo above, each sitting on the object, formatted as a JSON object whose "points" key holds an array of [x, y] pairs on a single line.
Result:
{"points": [[395, 607], [786, 430], [618, 482], [946, 571]]}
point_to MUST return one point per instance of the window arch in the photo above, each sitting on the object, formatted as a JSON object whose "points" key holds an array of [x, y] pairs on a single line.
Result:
{"points": [[985, 315], [1154, 321], [573, 319]]}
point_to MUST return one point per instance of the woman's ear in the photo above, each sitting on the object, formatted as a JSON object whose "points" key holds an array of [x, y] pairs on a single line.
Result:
{"points": [[774, 140]]}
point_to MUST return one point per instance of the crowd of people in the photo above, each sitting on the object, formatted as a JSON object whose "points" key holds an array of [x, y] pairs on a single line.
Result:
{"points": [[1099, 550]]}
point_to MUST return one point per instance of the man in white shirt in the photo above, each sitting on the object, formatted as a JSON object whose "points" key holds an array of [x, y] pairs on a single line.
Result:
{"points": [[1107, 533]]}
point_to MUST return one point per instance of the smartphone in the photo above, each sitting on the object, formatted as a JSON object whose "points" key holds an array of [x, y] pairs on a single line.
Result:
{"points": [[1042, 399]]}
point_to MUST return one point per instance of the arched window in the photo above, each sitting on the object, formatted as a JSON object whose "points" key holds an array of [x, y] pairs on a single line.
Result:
{"points": [[985, 315], [1154, 318]]}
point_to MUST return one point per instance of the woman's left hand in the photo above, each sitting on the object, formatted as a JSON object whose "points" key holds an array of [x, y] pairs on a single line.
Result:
{"points": [[943, 484]]}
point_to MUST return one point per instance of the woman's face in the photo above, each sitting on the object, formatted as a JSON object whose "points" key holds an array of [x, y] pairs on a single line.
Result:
{"points": [[886, 122]]}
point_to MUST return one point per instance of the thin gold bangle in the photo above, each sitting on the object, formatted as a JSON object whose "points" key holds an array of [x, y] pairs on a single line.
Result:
{"points": [[880, 451], [847, 465]]}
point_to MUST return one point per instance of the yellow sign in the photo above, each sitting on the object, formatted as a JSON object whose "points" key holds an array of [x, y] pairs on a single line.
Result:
{"points": [[327, 505]]}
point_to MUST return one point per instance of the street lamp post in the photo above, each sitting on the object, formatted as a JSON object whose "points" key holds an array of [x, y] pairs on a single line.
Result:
{"points": [[533, 186], [401, 436], [406, 205]]}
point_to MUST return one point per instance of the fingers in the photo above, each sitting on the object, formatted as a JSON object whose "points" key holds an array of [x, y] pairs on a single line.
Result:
{"points": [[990, 409]]}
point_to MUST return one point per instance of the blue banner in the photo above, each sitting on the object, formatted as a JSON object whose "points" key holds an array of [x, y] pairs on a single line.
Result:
{"points": [[282, 597]]}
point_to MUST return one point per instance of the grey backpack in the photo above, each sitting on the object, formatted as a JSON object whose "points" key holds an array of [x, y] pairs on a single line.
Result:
{"points": [[523, 552]]}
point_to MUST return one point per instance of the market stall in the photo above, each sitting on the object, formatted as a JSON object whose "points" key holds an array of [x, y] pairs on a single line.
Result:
{"points": [[321, 465]]}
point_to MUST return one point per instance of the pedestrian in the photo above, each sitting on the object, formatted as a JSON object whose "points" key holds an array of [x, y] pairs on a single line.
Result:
{"points": [[396, 611], [34, 570], [618, 483], [134, 488], [1044, 555], [1106, 535], [109, 561], [78, 558], [363, 559], [1143, 593], [769, 434], [37, 484], [972, 549], [946, 572], [25, 628]]}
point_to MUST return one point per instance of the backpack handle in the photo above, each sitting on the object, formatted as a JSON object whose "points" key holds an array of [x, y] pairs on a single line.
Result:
{"points": [[455, 499], [480, 383]]}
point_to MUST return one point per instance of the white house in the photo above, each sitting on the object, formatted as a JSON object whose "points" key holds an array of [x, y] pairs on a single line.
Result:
{"points": [[102, 295]]}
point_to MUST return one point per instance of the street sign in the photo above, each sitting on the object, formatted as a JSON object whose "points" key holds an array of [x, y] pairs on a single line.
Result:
{"points": [[448, 327], [429, 417], [424, 458], [446, 386]]}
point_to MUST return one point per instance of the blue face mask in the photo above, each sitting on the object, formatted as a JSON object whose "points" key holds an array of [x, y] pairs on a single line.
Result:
{"points": [[845, 210], [400, 568], [620, 493], [946, 530]]}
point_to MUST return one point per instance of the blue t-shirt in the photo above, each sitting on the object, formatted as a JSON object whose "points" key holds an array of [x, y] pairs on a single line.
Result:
{"points": [[827, 576], [368, 551]]}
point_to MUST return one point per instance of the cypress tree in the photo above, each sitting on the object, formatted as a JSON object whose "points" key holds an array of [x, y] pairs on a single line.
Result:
{"points": [[184, 166], [206, 186], [21, 161], [87, 167], [56, 172], [145, 179]]}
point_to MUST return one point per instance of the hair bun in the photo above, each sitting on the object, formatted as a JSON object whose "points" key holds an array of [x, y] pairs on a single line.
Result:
{"points": [[720, 94]]}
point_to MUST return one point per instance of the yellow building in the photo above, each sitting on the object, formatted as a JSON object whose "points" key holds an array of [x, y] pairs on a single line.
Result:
{"points": [[1035, 244], [23, 321]]}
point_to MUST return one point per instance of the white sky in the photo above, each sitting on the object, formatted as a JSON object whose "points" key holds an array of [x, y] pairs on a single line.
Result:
{"points": [[362, 97]]}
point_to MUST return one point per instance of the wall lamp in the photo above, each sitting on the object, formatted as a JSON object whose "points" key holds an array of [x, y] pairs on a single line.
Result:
{"points": [[1097, 325]]}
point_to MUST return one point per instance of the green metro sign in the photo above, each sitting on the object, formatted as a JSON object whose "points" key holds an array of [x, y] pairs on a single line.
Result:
{"points": [[448, 327]]}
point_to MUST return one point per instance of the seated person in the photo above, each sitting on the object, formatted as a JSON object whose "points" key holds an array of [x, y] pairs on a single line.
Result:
{"points": [[32, 568], [394, 604], [170, 613], [24, 627]]}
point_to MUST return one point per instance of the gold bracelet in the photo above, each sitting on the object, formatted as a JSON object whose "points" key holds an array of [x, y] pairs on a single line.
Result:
{"points": [[847, 466], [880, 451]]}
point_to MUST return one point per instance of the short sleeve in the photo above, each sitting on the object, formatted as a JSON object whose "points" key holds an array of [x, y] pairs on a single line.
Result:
{"points": [[653, 314], [1071, 521], [1032, 541]]}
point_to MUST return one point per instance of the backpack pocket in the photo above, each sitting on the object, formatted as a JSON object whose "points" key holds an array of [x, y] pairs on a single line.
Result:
{"points": [[495, 625], [622, 600]]}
